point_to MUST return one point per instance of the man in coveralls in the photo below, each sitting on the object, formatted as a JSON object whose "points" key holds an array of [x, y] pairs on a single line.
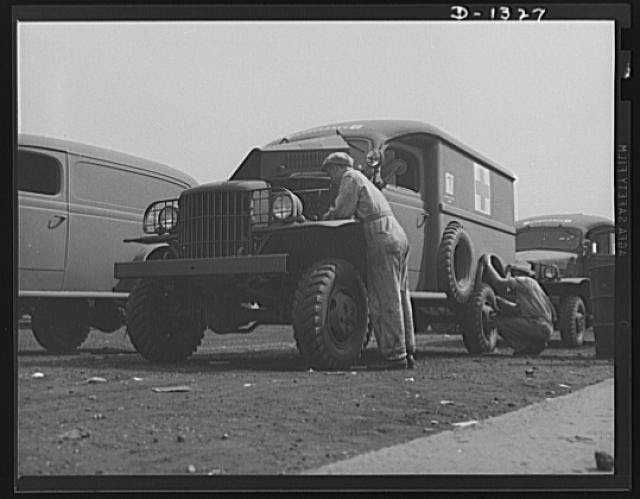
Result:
{"points": [[387, 259], [525, 314]]}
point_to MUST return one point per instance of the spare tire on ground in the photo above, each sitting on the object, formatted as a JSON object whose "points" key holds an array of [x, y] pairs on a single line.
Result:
{"points": [[456, 262]]}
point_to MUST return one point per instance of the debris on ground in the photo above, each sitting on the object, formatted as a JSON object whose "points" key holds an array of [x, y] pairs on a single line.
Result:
{"points": [[604, 461], [75, 434], [225, 436], [191, 468], [529, 372], [562, 385], [135, 378], [37, 375], [464, 424], [247, 385], [215, 471], [446, 402], [96, 379], [435, 422], [167, 389], [98, 415], [92, 397], [410, 380]]}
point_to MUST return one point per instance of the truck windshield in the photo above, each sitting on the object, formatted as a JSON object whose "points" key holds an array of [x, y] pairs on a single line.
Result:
{"points": [[548, 238]]}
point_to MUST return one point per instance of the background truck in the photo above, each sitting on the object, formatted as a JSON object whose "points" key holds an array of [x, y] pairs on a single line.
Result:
{"points": [[253, 250], [76, 203], [563, 250]]}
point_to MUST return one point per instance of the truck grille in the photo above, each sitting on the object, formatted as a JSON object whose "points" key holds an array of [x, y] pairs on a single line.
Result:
{"points": [[301, 160], [214, 224]]}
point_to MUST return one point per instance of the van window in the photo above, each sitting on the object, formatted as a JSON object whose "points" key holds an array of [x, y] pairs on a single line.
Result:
{"points": [[410, 178], [119, 188], [603, 243], [39, 173]]}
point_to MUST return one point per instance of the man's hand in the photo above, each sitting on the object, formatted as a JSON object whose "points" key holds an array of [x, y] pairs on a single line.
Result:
{"points": [[506, 307]]}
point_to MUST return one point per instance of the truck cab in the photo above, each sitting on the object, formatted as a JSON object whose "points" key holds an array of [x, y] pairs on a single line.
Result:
{"points": [[562, 250]]}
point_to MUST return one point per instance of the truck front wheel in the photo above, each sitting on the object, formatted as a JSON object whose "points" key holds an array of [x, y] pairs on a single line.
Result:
{"points": [[479, 331], [60, 326], [164, 323], [572, 321], [330, 315]]}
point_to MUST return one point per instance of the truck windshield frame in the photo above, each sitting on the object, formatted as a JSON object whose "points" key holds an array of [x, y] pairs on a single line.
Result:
{"points": [[564, 239]]}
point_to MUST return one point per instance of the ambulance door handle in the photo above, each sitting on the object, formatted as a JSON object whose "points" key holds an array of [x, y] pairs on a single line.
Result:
{"points": [[422, 219], [55, 221]]}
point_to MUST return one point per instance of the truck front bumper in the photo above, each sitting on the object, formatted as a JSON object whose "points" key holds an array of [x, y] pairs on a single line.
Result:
{"points": [[255, 264]]}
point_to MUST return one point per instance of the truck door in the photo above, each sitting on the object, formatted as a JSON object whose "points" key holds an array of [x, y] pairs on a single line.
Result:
{"points": [[42, 218], [403, 193]]}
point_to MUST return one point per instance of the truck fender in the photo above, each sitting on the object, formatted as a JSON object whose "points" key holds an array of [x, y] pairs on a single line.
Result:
{"points": [[156, 251]]}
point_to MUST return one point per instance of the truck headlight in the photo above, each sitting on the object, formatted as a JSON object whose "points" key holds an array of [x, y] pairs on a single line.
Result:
{"points": [[550, 272], [168, 218], [160, 217], [286, 206]]}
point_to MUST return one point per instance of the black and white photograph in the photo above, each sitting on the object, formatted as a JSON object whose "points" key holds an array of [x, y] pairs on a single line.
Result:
{"points": [[334, 246]]}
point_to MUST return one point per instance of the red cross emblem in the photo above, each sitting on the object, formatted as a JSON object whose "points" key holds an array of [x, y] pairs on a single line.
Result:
{"points": [[482, 188]]}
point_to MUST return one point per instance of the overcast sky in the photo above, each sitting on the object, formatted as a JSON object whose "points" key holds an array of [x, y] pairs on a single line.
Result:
{"points": [[536, 98]]}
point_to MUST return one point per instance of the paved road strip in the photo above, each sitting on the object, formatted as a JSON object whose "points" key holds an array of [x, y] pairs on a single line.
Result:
{"points": [[556, 436]]}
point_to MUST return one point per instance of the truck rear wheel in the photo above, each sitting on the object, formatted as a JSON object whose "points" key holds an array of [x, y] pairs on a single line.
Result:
{"points": [[330, 316], [572, 321], [60, 326], [479, 331], [455, 264], [164, 323]]}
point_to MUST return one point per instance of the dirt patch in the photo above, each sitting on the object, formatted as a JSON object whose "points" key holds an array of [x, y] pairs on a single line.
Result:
{"points": [[253, 407]]}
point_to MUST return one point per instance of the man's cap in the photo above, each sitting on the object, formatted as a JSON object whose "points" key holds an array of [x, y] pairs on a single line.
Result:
{"points": [[337, 158]]}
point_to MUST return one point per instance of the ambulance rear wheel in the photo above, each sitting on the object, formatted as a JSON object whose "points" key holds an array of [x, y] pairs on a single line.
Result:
{"points": [[456, 274], [330, 315], [479, 330]]}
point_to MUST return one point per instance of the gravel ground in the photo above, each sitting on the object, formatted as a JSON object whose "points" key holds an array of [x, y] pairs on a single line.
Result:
{"points": [[252, 407]]}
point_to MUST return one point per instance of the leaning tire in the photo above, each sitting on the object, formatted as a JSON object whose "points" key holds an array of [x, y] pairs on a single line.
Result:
{"points": [[330, 315], [572, 321], [479, 331], [60, 326], [455, 264], [164, 324]]}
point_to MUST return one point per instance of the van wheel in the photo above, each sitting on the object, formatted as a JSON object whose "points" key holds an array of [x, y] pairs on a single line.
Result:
{"points": [[572, 321], [455, 264], [60, 326], [164, 323], [330, 316], [479, 330]]}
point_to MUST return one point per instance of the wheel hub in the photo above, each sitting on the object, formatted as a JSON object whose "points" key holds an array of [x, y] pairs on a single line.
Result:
{"points": [[342, 315]]}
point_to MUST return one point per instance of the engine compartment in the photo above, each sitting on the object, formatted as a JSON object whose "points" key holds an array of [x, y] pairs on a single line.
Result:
{"points": [[315, 190]]}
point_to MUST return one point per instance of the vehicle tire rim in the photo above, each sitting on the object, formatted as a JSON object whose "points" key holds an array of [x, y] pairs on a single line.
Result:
{"points": [[462, 263], [489, 330], [580, 322], [342, 316]]}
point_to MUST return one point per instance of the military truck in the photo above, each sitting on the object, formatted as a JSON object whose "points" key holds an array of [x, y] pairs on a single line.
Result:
{"points": [[562, 250], [254, 250]]}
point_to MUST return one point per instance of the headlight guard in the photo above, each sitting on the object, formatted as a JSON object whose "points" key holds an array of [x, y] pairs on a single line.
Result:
{"points": [[168, 209]]}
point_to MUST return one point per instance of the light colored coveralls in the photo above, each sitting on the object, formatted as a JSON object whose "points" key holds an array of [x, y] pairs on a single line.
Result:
{"points": [[530, 330], [387, 262]]}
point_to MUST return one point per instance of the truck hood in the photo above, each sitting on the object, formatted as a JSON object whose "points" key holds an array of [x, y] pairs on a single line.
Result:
{"points": [[565, 261], [230, 185]]}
